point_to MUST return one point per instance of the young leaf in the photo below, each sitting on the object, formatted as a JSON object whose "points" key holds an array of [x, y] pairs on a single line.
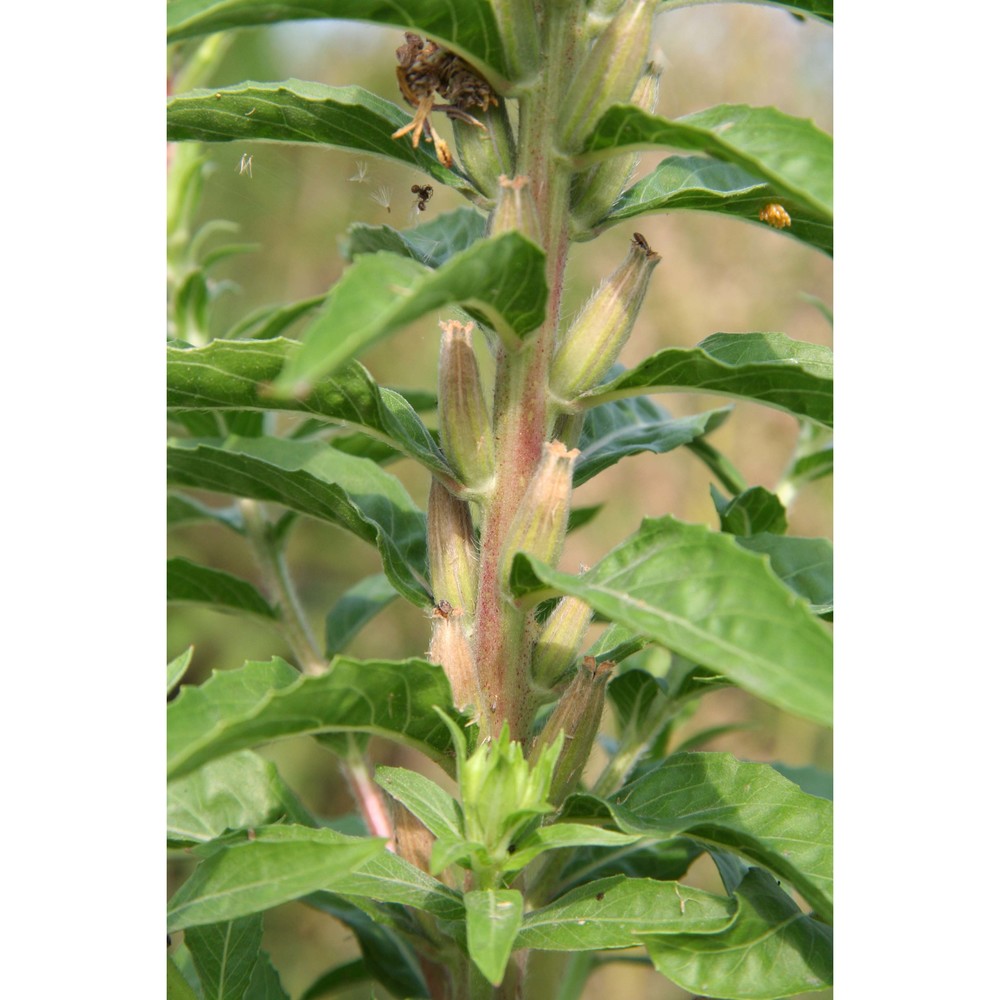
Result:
{"points": [[177, 667], [702, 184], [768, 368], [629, 426], [791, 154], [237, 792], [259, 703], [281, 863], [500, 280], [312, 478], [432, 243], [466, 26], [427, 800], [177, 986], [303, 112], [613, 912], [492, 917], [189, 583], [751, 512], [355, 608], [771, 950], [803, 564], [270, 322], [558, 835], [229, 374], [698, 593], [225, 954], [742, 807]]}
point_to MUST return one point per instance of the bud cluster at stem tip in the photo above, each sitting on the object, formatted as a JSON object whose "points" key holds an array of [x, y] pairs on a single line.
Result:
{"points": [[595, 339]]}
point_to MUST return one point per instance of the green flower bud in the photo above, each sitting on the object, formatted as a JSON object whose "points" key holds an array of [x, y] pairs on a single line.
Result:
{"points": [[463, 419], [451, 544], [450, 648], [516, 210], [559, 641], [502, 792], [597, 189], [592, 344], [609, 72], [486, 152], [519, 33], [539, 525], [577, 715]]}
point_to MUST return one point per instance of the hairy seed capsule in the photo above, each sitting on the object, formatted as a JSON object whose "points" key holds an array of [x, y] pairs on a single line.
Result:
{"points": [[519, 33], [609, 72], [451, 544], [578, 715], [516, 210], [463, 419], [486, 152], [594, 341], [559, 640], [450, 648]]}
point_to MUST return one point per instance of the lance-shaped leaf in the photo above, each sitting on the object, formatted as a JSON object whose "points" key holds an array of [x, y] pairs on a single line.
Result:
{"points": [[791, 154], [428, 801], [178, 987], [189, 583], [231, 374], [312, 478], [468, 27], [177, 667], [225, 954], [183, 509], [820, 9], [700, 594], [750, 512], [492, 918], [500, 280], [237, 792], [613, 912], [803, 564], [771, 950], [257, 703], [768, 368], [281, 863], [664, 860], [628, 426], [269, 322], [559, 835], [358, 606], [701, 184], [742, 807], [265, 984], [432, 243], [303, 112]]}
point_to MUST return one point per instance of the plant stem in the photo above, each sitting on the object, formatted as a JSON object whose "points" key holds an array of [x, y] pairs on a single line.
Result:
{"points": [[271, 559], [366, 793]]}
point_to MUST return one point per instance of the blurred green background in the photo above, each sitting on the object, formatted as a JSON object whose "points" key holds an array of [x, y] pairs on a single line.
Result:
{"points": [[717, 274]]}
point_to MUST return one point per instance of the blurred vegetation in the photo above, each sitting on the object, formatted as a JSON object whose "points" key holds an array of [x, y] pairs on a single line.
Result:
{"points": [[717, 275]]}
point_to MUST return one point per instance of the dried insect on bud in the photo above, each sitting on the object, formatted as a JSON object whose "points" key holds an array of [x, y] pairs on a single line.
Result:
{"points": [[426, 69], [443, 609], [640, 241], [424, 194], [775, 215]]}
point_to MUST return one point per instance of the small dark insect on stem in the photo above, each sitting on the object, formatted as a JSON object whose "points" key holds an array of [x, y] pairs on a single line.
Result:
{"points": [[599, 896], [640, 241]]}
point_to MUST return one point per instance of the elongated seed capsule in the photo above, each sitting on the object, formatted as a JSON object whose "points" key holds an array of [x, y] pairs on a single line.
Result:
{"points": [[539, 524], [463, 419], [578, 715], [486, 152], [516, 209], [596, 337], [597, 189], [451, 650], [519, 33], [609, 72], [559, 641], [451, 544]]}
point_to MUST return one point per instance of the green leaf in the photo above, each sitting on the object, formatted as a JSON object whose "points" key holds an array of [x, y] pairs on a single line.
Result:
{"points": [[664, 861], [225, 954], [238, 792], [432, 243], [613, 912], [810, 779], [265, 984], [177, 985], [355, 608], [493, 917], [500, 281], [270, 322], [820, 9], [698, 593], [629, 426], [632, 695], [300, 111], [177, 667], [771, 950], [465, 26], [791, 154], [312, 478], [579, 517], [384, 954], [281, 863], [753, 511], [742, 807], [559, 835], [703, 184], [428, 801], [183, 509], [335, 979], [768, 368], [261, 702], [805, 565], [233, 374], [189, 583]]}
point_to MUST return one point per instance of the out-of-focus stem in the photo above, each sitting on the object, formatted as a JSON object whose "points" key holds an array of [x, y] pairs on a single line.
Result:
{"points": [[367, 794]]}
